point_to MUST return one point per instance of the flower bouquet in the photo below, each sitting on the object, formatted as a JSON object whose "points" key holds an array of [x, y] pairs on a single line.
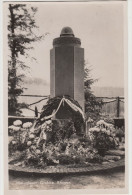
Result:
{"points": [[101, 137]]}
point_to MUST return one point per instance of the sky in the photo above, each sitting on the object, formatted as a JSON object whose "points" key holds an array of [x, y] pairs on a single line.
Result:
{"points": [[100, 26]]}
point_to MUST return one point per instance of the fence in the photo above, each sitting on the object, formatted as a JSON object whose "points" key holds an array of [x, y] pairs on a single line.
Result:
{"points": [[112, 106]]}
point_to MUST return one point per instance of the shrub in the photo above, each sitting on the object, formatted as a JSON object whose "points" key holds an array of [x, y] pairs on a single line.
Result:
{"points": [[102, 139]]}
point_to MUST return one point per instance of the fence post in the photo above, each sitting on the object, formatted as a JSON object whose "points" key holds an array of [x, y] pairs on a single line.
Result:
{"points": [[36, 111], [118, 106]]}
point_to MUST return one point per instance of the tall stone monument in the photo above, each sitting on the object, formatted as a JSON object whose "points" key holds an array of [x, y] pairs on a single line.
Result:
{"points": [[67, 67]]}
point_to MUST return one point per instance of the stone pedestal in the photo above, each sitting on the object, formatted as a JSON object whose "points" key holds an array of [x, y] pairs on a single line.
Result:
{"points": [[67, 67]]}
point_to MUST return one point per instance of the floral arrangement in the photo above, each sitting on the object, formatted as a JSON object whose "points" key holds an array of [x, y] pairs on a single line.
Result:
{"points": [[102, 136], [17, 123], [53, 104], [38, 150], [27, 125], [42, 146], [63, 153], [13, 128], [16, 133]]}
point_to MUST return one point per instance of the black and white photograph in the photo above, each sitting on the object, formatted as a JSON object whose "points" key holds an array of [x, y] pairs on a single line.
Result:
{"points": [[65, 86]]}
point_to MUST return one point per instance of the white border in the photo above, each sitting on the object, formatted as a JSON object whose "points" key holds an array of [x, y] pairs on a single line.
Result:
{"points": [[1, 102], [129, 92]]}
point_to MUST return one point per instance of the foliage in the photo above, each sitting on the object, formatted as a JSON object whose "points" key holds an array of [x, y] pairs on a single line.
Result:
{"points": [[53, 104], [102, 140], [119, 132], [62, 148], [109, 120], [92, 104], [60, 133], [65, 160], [21, 34], [39, 151], [102, 137]]}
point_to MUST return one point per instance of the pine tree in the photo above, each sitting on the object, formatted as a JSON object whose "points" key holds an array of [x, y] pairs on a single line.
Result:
{"points": [[21, 34], [92, 103]]}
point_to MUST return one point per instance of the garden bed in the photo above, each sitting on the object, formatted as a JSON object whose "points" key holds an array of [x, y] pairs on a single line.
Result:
{"points": [[67, 169], [61, 149]]}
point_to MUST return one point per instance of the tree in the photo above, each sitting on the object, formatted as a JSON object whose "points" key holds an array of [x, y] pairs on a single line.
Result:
{"points": [[92, 103], [21, 35]]}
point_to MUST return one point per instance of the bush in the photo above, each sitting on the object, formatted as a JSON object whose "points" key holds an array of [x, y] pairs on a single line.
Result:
{"points": [[102, 139]]}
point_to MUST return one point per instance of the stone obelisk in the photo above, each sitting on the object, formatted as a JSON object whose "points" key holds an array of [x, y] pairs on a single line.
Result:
{"points": [[67, 67]]}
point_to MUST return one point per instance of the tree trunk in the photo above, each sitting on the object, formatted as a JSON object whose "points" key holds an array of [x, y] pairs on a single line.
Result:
{"points": [[13, 99]]}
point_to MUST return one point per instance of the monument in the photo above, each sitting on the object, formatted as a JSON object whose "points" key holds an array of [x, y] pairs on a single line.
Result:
{"points": [[67, 67]]}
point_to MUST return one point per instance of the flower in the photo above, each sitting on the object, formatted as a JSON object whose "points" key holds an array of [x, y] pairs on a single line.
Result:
{"points": [[29, 143], [94, 129], [104, 130], [111, 139], [48, 122], [38, 151], [90, 120], [17, 123], [108, 132], [14, 128], [105, 124], [14, 142], [44, 125], [31, 136], [11, 127], [36, 139], [33, 147], [101, 122], [43, 135], [111, 127], [10, 139], [27, 125]]}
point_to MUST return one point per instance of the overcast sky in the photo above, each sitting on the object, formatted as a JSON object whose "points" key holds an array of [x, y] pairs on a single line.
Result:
{"points": [[100, 28]]}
